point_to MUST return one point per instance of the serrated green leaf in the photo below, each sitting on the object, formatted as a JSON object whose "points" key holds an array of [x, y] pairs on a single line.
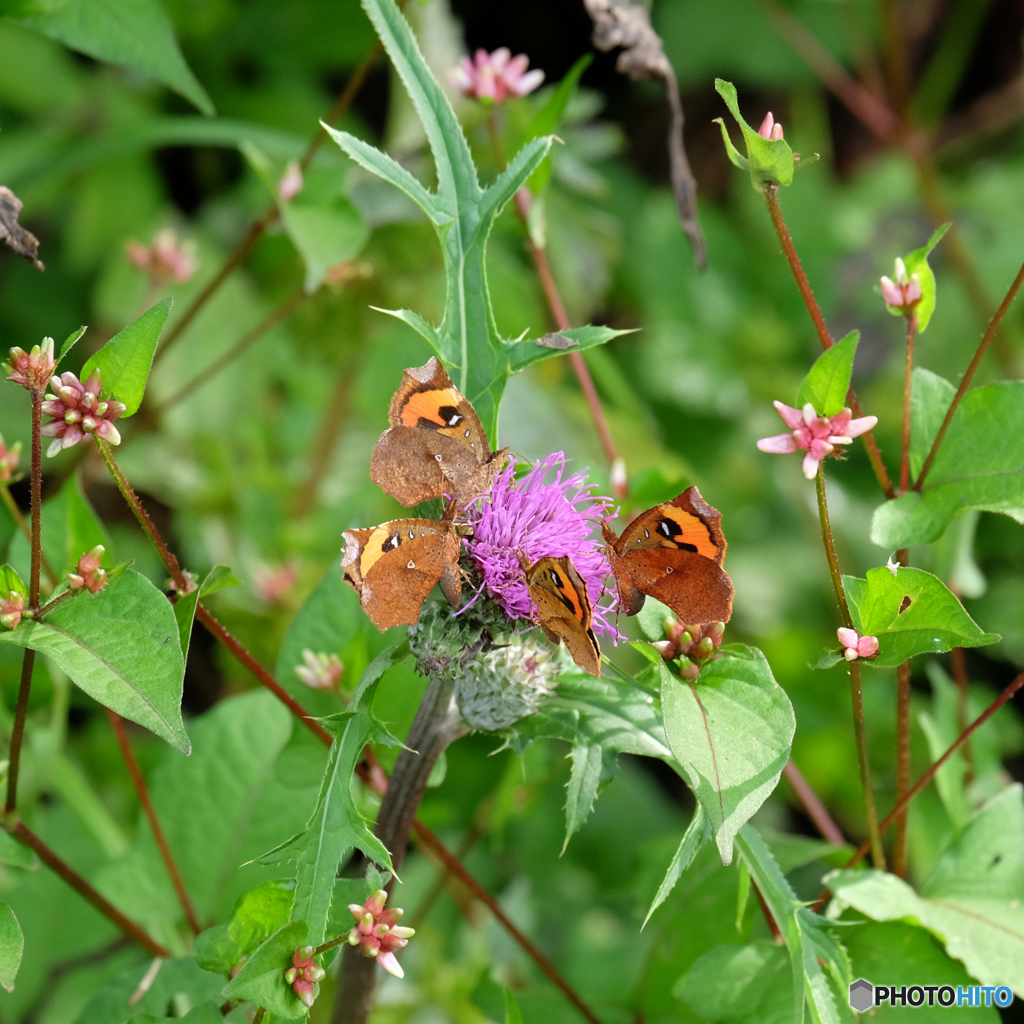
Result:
{"points": [[136, 34], [731, 731], [525, 353], [828, 381], [973, 900], [916, 262], [124, 361], [770, 162], [218, 578], [12, 945], [695, 836], [121, 647], [261, 979], [581, 791], [549, 117], [911, 612], [979, 465], [69, 343]]}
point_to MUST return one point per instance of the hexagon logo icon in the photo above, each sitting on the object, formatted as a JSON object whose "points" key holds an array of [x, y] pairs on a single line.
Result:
{"points": [[862, 995]]}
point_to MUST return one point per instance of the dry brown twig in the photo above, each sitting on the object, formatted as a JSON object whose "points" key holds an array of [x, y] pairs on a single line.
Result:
{"points": [[12, 234]]}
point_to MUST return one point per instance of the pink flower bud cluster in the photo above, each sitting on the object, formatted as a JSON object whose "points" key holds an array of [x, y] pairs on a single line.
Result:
{"points": [[88, 573], [377, 932], [903, 293], [79, 409], [490, 77], [814, 434], [857, 646], [165, 260], [320, 671], [690, 646], [291, 181], [8, 459], [32, 369], [273, 585], [11, 609], [304, 974], [770, 128]]}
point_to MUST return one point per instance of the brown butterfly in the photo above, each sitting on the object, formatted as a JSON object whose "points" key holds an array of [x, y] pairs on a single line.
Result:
{"points": [[436, 445], [563, 608], [674, 552], [394, 566]]}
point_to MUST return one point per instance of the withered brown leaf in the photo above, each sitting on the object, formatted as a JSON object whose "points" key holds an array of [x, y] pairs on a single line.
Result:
{"points": [[23, 242], [643, 58]]}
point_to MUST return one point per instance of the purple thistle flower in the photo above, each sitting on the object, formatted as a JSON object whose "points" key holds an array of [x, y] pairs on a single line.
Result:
{"points": [[540, 519]]}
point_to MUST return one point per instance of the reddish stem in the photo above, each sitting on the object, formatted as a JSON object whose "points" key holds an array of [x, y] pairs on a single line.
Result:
{"points": [[158, 833], [83, 888], [816, 810], [986, 340], [908, 373]]}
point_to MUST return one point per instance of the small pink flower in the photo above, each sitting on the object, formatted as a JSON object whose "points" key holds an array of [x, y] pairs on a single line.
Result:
{"points": [[88, 573], [321, 671], [79, 409], [770, 128], [857, 646], [11, 608], [304, 974], [490, 77], [814, 434], [165, 260], [32, 369], [377, 932], [272, 585], [8, 459], [291, 181], [904, 292]]}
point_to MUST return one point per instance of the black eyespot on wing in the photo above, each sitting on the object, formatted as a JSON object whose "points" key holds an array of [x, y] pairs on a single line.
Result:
{"points": [[688, 547]]}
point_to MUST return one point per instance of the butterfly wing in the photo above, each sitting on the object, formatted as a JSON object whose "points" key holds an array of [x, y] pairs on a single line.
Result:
{"points": [[394, 566], [563, 609]]}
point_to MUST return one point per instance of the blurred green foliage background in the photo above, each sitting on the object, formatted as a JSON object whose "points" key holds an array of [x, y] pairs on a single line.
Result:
{"points": [[263, 465]]}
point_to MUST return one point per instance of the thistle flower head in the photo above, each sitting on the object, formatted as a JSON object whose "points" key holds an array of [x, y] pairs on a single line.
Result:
{"points": [[539, 518], [377, 932], [11, 608], [320, 671], [79, 409], [905, 291], [490, 77], [814, 434], [32, 369], [8, 459], [166, 259], [88, 573], [857, 646], [770, 128]]}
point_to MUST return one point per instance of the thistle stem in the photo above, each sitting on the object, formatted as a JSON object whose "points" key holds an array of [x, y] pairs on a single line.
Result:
{"points": [[907, 380]]}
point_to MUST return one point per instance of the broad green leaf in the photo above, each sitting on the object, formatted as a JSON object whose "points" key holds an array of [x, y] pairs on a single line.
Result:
{"points": [[698, 833], [828, 381], [69, 343], [813, 950], [769, 162], [218, 578], [257, 915], [261, 979], [461, 211], [513, 1015], [875, 947], [12, 945], [85, 528], [979, 465], [911, 612], [205, 1013], [973, 900], [136, 34], [731, 730], [652, 618], [14, 855], [549, 117], [321, 221], [930, 398], [125, 360], [525, 353], [916, 262], [10, 582], [121, 647], [581, 792], [750, 984]]}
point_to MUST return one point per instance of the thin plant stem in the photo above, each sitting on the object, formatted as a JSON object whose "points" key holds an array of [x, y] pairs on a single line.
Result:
{"points": [[154, 823], [19, 519], [260, 1014], [816, 810], [60, 867], [908, 374], [958, 664], [830, 547], [50, 605], [28, 662], [899, 854], [771, 199], [983, 345]]}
